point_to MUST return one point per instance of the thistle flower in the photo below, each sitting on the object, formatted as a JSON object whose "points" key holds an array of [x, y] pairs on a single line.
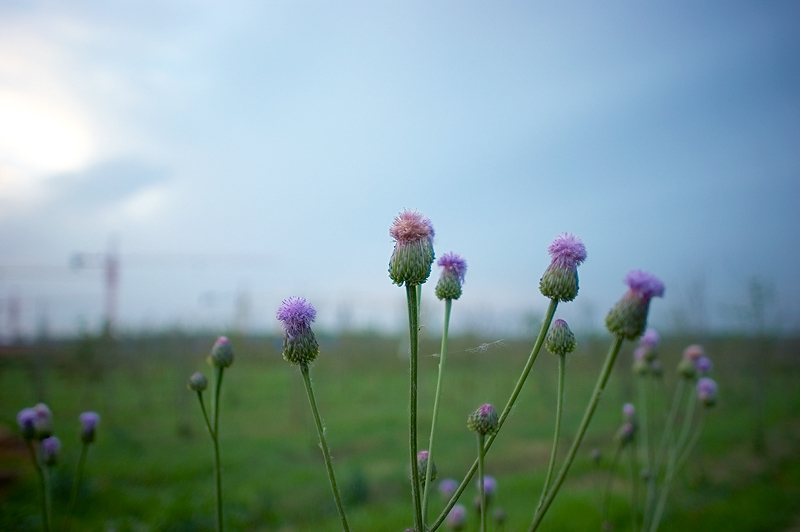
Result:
{"points": [[51, 447], [221, 353], [43, 422], [640, 365], [625, 434], [707, 391], [422, 466], [457, 517], [650, 339], [453, 270], [489, 486], [628, 318], [559, 339], [89, 421], [687, 367], [26, 419], [693, 352], [413, 249], [447, 487], [484, 420], [197, 382], [560, 280], [300, 346], [703, 365]]}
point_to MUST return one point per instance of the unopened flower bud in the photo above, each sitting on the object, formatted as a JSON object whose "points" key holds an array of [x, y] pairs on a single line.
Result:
{"points": [[43, 422], [197, 382], [707, 391], [687, 369], [559, 339], [625, 434], [89, 421], [484, 420], [26, 419], [560, 280], [454, 268], [221, 353], [628, 318], [422, 466], [413, 249], [693, 352], [300, 346], [51, 447]]}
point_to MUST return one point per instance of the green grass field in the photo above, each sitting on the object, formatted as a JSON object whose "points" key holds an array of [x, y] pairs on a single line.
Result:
{"points": [[151, 467]]}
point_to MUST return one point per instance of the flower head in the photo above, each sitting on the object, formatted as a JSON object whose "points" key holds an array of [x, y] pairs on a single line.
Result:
{"points": [[197, 382], [26, 419], [221, 353], [300, 346], [628, 318], [693, 352], [650, 339], [457, 517], [484, 420], [422, 466], [89, 421], [489, 485], [44, 421], [413, 249], [559, 339], [629, 412], [707, 391], [625, 433], [704, 365], [51, 447], [560, 280], [454, 268], [447, 487]]}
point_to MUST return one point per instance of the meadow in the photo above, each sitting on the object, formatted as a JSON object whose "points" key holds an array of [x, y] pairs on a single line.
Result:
{"points": [[152, 465]]}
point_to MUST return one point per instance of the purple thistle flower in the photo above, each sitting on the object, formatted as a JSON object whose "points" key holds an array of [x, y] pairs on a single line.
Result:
{"points": [[300, 346], [413, 250], [650, 339], [707, 391], [489, 485], [628, 318], [89, 421], [44, 421], [51, 447], [26, 419], [560, 280], [704, 365], [457, 517], [447, 487], [454, 268]]}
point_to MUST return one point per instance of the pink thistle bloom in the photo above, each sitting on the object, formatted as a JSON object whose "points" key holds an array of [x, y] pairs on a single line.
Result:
{"points": [[560, 280], [413, 250], [457, 518], [411, 227], [454, 268], [693, 352], [640, 353], [300, 346], [628, 318]]}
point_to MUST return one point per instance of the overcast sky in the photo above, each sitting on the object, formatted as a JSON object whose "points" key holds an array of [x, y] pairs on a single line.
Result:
{"points": [[239, 153]]}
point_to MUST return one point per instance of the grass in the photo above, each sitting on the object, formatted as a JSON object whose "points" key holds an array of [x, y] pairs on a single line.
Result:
{"points": [[151, 468]]}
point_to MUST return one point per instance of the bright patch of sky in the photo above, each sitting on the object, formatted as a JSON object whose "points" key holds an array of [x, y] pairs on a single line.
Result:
{"points": [[236, 154]]}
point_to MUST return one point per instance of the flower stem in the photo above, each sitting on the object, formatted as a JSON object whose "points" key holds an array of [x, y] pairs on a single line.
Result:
{"points": [[42, 486], [481, 487], [215, 439], [650, 494], [323, 442], [587, 417], [75, 484], [559, 407], [610, 483], [448, 303], [667, 436], [634, 487], [413, 331], [537, 346]]}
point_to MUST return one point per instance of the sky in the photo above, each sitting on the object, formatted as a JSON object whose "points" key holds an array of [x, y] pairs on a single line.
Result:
{"points": [[235, 154]]}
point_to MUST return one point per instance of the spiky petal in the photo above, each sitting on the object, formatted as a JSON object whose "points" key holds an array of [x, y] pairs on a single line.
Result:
{"points": [[413, 249], [560, 280], [300, 346]]}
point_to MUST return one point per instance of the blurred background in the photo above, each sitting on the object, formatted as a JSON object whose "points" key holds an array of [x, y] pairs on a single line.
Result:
{"points": [[171, 171]]}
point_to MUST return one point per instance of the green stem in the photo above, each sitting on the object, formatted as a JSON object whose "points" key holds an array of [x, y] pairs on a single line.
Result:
{"points": [[587, 418], [448, 303], [645, 425], [537, 346], [75, 485], [413, 331], [634, 487], [42, 486], [673, 415], [481, 487], [559, 407], [205, 415], [323, 442], [215, 438], [610, 483]]}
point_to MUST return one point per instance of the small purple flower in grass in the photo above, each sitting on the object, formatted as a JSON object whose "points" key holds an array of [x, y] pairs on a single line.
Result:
{"points": [[703, 365], [484, 420], [300, 346], [628, 318], [687, 366], [413, 249], [693, 352], [447, 487], [560, 280], [454, 268], [457, 517], [422, 466], [650, 339], [44, 421], [89, 421], [707, 391], [51, 447], [489, 486], [26, 419]]}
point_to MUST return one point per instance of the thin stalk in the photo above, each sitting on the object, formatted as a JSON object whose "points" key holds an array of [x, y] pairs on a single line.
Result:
{"points": [[610, 482], [634, 486], [537, 346], [673, 415], [559, 407], [481, 487], [205, 415], [75, 485], [324, 445], [448, 303], [215, 439], [42, 486], [587, 418], [645, 424], [413, 331]]}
